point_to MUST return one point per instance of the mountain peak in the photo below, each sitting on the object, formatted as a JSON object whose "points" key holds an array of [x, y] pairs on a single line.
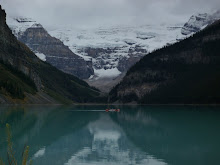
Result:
{"points": [[36, 25], [19, 25], [2, 16], [199, 21]]}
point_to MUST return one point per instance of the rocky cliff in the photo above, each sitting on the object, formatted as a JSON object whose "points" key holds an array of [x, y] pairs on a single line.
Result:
{"points": [[57, 54], [185, 72], [49, 48]]}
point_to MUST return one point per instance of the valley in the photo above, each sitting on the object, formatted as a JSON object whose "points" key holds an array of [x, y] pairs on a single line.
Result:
{"points": [[102, 55]]}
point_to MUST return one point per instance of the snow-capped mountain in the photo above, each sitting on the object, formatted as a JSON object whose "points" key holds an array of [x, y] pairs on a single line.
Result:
{"points": [[19, 25], [114, 50], [199, 22], [111, 50]]}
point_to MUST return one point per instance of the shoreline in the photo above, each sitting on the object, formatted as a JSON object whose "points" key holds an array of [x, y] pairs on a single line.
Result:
{"points": [[96, 104]]}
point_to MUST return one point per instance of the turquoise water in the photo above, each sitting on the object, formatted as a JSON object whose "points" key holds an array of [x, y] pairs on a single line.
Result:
{"points": [[87, 135]]}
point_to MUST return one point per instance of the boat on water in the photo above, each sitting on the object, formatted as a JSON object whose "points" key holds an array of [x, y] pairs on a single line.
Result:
{"points": [[112, 110]]}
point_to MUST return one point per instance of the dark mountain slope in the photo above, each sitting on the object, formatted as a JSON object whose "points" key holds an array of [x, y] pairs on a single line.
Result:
{"points": [[186, 72], [21, 69]]}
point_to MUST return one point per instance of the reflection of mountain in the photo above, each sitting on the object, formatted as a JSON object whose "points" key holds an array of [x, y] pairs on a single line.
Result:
{"points": [[137, 136], [110, 146], [65, 137], [100, 142], [39, 126], [177, 135]]}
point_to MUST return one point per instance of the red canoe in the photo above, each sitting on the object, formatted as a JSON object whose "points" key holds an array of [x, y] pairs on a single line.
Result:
{"points": [[112, 110]]}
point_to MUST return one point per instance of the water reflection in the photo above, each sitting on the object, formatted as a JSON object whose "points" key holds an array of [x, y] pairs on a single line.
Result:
{"points": [[136, 135], [110, 146]]}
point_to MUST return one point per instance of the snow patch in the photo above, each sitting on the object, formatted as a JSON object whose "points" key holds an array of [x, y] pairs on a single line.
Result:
{"points": [[40, 153], [108, 73], [82, 153], [41, 56], [200, 21]]}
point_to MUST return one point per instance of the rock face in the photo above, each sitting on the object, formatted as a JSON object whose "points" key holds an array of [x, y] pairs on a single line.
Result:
{"points": [[198, 22], [186, 72], [55, 52]]}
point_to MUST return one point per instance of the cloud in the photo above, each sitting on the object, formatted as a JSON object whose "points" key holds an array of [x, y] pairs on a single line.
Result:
{"points": [[102, 12]]}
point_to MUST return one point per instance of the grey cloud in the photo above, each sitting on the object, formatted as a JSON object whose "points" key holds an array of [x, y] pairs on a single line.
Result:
{"points": [[99, 12]]}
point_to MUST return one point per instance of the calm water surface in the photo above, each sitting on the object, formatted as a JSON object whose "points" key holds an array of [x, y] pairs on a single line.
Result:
{"points": [[138, 135]]}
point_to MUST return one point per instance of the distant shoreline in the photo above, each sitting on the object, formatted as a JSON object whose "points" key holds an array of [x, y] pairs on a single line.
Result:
{"points": [[95, 104]]}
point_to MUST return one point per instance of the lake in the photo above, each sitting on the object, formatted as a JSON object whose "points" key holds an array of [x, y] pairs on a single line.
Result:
{"points": [[137, 135]]}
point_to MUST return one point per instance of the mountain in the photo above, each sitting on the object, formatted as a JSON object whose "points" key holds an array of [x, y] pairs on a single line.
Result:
{"points": [[24, 78], [187, 72], [48, 48], [108, 51], [114, 49], [101, 55], [199, 22]]}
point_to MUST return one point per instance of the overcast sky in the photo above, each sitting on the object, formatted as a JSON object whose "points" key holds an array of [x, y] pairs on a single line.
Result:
{"points": [[102, 12]]}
